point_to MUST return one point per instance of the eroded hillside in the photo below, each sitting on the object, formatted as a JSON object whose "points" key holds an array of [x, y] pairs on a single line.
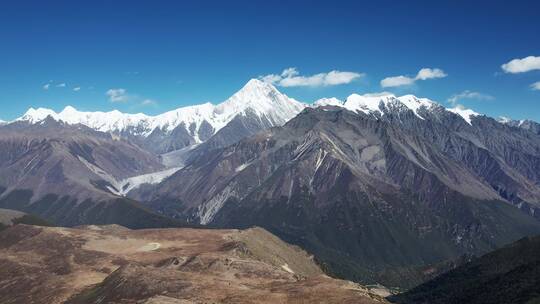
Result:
{"points": [[112, 264]]}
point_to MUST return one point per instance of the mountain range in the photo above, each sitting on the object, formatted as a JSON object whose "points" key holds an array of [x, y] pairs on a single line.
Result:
{"points": [[255, 107], [382, 189]]}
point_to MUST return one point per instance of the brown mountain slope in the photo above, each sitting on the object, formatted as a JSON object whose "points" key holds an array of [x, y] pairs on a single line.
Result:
{"points": [[112, 264]]}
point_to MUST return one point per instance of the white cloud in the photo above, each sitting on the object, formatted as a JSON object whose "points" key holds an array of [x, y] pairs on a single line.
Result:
{"points": [[61, 85], [535, 86], [76, 89], [396, 81], [290, 77], [148, 102], [522, 65], [427, 73], [289, 72], [454, 99], [117, 95], [423, 74], [271, 78], [46, 86], [377, 94]]}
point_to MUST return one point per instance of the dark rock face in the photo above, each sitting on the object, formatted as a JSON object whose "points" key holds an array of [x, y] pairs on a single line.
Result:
{"points": [[368, 194], [160, 142], [240, 127], [507, 158], [508, 275]]}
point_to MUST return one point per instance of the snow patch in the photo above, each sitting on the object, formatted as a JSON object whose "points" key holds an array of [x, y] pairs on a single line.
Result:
{"points": [[320, 158], [287, 268], [208, 210], [466, 114], [242, 167], [135, 182], [123, 187]]}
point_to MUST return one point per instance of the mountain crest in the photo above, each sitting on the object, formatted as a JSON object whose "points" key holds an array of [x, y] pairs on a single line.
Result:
{"points": [[386, 102], [194, 124]]}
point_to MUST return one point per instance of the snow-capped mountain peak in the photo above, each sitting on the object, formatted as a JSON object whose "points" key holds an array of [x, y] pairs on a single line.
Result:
{"points": [[261, 98], [256, 96], [383, 102], [466, 114], [37, 115], [414, 103]]}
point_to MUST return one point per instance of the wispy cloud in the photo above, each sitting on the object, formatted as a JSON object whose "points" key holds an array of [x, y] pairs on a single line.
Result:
{"points": [[535, 86], [61, 85], [149, 102], [456, 98], [396, 81], [117, 95], [522, 65], [290, 77], [76, 89], [46, 86], [423, 74]]}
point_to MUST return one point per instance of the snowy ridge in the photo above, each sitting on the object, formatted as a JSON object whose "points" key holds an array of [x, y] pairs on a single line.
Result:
{"points": [[256, 96], [512, 122], [377, 103], [467, 114], [381, 103]]}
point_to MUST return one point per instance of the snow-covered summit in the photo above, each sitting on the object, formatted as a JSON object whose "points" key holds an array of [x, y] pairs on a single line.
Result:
{"points": [[467, 114], [256, 96], [382, 102], [263, 99]]}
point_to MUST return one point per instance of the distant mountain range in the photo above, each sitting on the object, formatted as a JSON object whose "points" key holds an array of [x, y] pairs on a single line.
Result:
{"points": [[379, 187], [255, 107]]}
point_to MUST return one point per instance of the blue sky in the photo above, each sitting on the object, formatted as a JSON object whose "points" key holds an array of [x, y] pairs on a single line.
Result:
{"points": [[167, 54]]}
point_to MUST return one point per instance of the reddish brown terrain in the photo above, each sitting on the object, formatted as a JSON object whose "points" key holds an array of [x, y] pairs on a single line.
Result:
{"points": [[112, 264]]}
